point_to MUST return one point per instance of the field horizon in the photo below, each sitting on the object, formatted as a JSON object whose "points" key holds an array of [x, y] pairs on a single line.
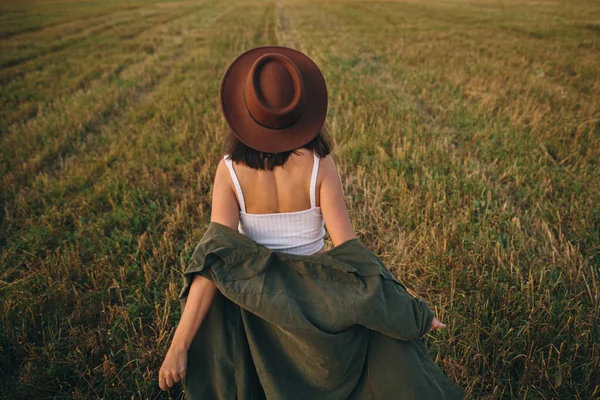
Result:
{"points": [[466, 134]]}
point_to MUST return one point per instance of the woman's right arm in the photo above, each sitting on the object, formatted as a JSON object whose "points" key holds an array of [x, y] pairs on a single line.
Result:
{"points": [[332, 204], [198, 302], [199, 299], [202, 290]]}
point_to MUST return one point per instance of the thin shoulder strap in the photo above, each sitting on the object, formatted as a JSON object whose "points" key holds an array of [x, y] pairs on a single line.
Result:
{"points": [[236, 183], [313, 182]]}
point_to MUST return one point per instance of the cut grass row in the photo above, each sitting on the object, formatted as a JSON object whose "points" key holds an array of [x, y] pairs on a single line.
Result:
{"points": [[84, 58]]}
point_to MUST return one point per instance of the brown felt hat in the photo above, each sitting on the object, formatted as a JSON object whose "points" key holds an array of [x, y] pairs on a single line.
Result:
{"points": [[274, 98]]}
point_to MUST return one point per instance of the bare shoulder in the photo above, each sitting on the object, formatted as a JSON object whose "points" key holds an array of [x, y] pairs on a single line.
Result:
{"points": [[333, 205], [223, 182], [327, 168], [327, 161], [221, 174], [224, 204]]}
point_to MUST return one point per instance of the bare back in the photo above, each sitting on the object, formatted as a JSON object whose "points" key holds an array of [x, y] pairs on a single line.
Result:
{"points": [[284, 189]]}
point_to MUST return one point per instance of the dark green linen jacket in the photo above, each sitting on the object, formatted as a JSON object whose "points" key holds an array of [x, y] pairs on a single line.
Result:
{"points": [[335, 325]]}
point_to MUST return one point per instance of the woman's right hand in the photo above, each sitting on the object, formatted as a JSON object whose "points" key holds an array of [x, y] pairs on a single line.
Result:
{"points": [[436, 324], [173, 368]]}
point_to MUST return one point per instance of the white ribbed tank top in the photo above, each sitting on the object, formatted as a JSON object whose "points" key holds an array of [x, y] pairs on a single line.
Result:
{"points": [[296, 232]]}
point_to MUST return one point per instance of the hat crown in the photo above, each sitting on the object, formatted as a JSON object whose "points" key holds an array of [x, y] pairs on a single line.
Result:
{"points": [[274, 85], [274, 91]]}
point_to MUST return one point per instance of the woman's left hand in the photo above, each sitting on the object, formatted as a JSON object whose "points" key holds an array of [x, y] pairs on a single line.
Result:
{"points": [[173, 368]]}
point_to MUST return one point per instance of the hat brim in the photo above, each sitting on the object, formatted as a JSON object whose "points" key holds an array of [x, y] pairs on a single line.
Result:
{"points": [[257, 136]]}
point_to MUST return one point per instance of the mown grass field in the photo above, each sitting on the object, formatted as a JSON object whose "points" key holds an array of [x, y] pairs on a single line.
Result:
{"points": [[467, 137]]}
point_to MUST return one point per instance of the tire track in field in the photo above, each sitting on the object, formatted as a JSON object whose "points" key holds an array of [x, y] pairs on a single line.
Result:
{"points": [[120, 100], [84, 81], [284, 30], [32, 29], [265, 32], [89, 35], [9, 72], [77, 36], [28, 108], [66, 29]]}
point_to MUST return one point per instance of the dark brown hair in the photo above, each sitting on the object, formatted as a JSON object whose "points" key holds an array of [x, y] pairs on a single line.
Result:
{"points": [[239, 152]]}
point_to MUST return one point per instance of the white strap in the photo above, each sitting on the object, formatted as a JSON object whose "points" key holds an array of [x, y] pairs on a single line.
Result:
{"points": [[236, 183], [313, 182]]}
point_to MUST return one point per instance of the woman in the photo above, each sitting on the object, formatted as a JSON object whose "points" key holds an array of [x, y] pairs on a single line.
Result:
{"points": [[278, 184]]}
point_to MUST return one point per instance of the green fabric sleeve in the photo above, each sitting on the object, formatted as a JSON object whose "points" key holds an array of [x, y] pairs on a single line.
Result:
{"points": [[384, 305], [207, 255]]}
